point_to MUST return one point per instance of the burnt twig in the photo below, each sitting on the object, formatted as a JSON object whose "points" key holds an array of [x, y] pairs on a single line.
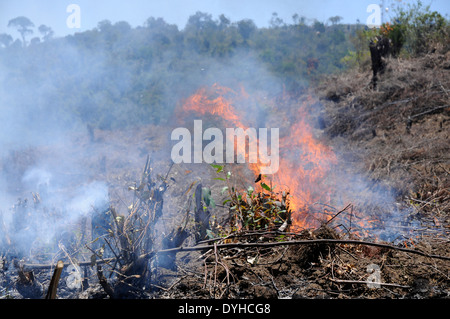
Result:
{"points": [[51, 293], [104, 283], [342, 281], [303, 242]]}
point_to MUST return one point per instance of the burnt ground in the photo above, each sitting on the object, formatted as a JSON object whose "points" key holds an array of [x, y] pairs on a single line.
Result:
{"points": [[319, 271], [314, 272], [397, 134]]}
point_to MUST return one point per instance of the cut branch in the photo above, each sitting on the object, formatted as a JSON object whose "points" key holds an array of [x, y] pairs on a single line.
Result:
{"points": [[81, 264], [248, 245], [51, 293], [342, 281], [302, 242]]}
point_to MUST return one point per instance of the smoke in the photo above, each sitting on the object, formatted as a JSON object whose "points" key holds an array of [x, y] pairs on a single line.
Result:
{"points": [[56, 96], [47, 195], [45, 187], [50, 211]]}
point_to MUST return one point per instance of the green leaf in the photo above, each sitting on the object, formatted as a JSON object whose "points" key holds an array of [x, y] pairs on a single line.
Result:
{"points": [[212, 202], [210, 234], [218, 168], [266, 187], [206, 194], [224, 189]]}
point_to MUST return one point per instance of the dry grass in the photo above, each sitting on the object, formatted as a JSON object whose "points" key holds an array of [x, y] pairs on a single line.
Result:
{"points": [[399, 132]]}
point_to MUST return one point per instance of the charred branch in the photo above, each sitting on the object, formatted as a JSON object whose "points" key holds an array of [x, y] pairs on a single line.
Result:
{"points": [[52, 288], [379, 50], [303, 242], [104, 282], [27, 284], [172, 240], [201, 215]]}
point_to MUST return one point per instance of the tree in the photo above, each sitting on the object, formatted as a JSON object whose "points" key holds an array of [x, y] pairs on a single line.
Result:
{"points": [[23, 25], [201, 21], [5, 39], [104, 26], [419, 28], [224, 22], [276, 21], [246, 27], [47, 32], [155, 23], [318, 26], [298, 19], [35, 41], [335, 20]]}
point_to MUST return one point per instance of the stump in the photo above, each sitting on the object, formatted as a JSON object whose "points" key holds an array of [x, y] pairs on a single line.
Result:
{"points": [[380, 48]]}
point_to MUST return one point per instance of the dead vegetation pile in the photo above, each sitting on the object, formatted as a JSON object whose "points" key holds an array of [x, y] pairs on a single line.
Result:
{"points": [[208, 256], [204, 255], [397, 133], [312, 266]]}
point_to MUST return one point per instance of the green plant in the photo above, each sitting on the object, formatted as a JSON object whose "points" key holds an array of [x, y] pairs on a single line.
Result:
{"points": [[414, 30], [361, 55], [254, 210], [420, 28]]}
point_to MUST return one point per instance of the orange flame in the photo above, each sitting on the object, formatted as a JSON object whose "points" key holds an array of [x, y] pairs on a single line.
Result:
{"points": [[305, 163], [213, 103], [305, 170]]}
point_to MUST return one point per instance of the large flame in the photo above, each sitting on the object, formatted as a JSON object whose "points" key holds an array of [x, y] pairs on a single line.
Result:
{"points": [[305, 171], [305, 163]]}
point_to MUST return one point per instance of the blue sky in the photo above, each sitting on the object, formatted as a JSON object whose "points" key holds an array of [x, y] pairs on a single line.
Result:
{"points": [[53, 12]]}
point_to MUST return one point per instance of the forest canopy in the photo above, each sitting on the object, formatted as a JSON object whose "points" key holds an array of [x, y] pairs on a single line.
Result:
{"points": [[116, 76]]}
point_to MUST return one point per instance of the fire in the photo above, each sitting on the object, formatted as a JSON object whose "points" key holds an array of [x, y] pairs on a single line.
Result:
{"points": [[305, 163], [215, 104], [305, 171]]}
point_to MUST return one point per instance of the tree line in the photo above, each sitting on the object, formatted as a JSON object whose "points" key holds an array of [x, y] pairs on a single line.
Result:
{"points": [[115, 75]]}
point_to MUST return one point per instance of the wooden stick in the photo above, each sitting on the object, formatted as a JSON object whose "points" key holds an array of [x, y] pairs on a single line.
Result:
{"points": [[337, 214], [104, 283], [429, 111], [270, 244], [51, 293], [81, 264], [367, 283], [302, 242]]}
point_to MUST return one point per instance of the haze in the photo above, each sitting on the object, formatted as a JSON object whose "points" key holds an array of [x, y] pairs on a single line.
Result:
{"points": [[53, 12]]}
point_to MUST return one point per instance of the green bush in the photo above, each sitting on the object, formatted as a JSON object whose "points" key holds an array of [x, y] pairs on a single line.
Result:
{"points": [[420, 28], [415, 30]]}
